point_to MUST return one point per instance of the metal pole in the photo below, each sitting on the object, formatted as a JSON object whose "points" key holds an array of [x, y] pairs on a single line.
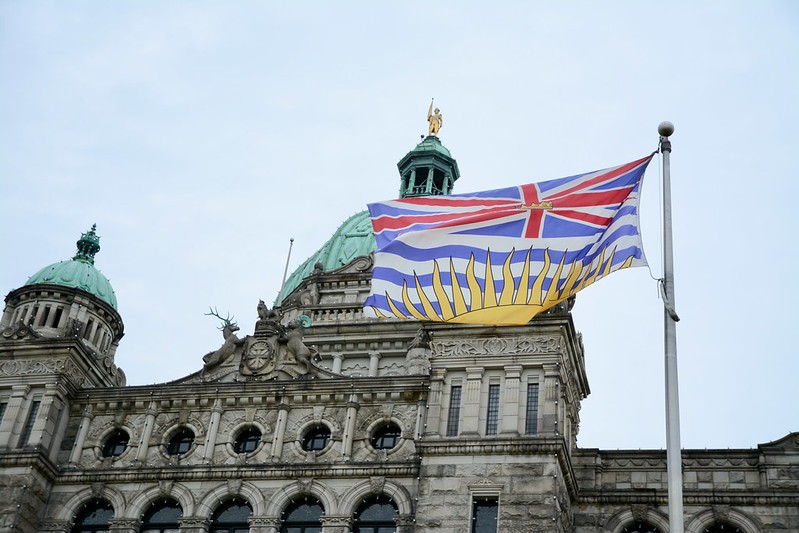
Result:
{"points": [[285, 273], [673, 451]]}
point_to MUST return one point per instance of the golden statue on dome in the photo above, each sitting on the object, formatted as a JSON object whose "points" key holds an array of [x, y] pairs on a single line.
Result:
{"points": [[435, 119]]}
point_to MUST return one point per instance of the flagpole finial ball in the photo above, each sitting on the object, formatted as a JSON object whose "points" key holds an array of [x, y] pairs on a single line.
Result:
{"points": [[666, 128]]}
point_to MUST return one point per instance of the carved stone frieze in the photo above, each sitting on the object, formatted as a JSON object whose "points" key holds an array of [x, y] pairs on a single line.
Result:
{"points": [[495, 346]]}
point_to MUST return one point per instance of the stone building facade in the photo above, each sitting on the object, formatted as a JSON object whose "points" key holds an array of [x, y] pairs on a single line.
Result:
{"points": [[324, 420]]}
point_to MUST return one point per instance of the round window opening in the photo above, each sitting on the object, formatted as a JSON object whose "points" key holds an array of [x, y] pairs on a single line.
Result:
{"points": [[180, 442], [248, 440], [116, 443], [316, 438], [386, 437]]}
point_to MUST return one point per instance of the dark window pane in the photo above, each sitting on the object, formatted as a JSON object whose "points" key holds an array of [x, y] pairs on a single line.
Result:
{"points": [[454, 411], [386, 437], [484, 515], [94, 517], [531, 420], [303, 517], [316, 438], [492, 415], [231, 517], [180, 442], [116, 443], [32, 414], [248, 440], [722, 527], [162, 516], [376, 515]]}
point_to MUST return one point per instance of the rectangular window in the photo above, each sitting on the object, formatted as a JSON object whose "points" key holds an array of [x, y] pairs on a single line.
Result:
{"points": [[3, 406], [58, 312], [484, 514], [454, 411], [26, 431], [531, 420], [492, 416]]}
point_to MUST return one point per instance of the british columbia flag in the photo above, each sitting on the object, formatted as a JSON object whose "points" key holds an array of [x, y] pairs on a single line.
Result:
{"points": [[502, 256]]}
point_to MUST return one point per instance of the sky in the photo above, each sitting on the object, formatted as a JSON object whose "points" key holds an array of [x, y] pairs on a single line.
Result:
{"points": [[201, 136]]}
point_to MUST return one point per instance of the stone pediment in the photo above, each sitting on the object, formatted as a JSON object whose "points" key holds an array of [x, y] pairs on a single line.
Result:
{"points": [[274, 352]]}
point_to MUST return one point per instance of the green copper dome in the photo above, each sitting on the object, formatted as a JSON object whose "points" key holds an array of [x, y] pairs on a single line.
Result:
{"points": [[354, 238], [79, 272]]}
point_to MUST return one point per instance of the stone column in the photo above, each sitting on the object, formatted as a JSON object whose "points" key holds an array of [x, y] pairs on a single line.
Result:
{"points": [[471, 400], [213, 430], [7, 427], [338, 358], [280, 430], [80, 440], [336, 524], [509, 425], [147, 432], [436, 424], [420, 418], [193, 524], [349, 427], [374, 359]]}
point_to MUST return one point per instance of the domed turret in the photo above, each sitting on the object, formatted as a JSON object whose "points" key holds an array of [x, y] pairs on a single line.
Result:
{"points": [[79, 272], [69, 299]]}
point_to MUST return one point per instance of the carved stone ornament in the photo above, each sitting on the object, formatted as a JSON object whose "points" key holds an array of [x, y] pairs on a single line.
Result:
{"points": [[376, 484], [259, 356], [639, 512], [19, 331], [495, 346]]}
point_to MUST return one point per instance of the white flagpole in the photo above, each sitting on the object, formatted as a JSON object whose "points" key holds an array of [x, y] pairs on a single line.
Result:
{"points": [[673, 451]]}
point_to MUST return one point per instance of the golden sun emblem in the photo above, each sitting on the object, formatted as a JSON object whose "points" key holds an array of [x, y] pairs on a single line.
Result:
{"points": [[516, 303]]}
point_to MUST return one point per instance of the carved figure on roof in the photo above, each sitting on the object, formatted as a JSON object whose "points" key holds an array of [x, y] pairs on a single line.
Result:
{"points": [[435, 118], [297, 350], [229, 329], [417, 360]]}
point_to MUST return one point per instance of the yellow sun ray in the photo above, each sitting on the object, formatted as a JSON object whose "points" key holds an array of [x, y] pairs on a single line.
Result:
{"points": [[552, 292], [380, 314], [441, 294], [475, 294], [429, 311], [508, 288], [395, 309], [457, 293], [409, 305], [524, 282], [489, 294], [535, 293]]}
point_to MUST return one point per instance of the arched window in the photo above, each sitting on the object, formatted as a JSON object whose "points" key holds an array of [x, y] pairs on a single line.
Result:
{"points": [[722, 527], [231, 517], [180, 442], [303, 517], [93, 518], [375, 515], [162, 517], [640, 527]]}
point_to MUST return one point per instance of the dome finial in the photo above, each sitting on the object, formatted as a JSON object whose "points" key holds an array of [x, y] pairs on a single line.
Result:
{"points": [[88, 246]]}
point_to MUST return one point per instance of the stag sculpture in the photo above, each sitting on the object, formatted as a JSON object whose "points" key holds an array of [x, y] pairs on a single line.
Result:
{"points": [[229, 329]]}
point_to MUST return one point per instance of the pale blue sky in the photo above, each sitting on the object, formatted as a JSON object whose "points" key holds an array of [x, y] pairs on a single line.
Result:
{"points": [[200, 136]]}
